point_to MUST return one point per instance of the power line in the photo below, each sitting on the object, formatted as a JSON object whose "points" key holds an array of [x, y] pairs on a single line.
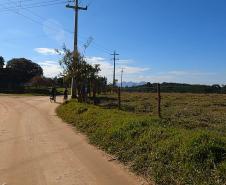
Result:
{"points": [[36, 21], [22, 38], [30, 6], [42, 18], [94, 43], [34, 6], [29, 10], [20, 2], [33, 20], [40, 23], [90, 3]]}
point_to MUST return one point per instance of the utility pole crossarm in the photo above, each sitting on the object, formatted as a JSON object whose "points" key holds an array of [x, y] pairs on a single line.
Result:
{"points": [[78, 8], [83, 8], [114, 54], [69, 6]]}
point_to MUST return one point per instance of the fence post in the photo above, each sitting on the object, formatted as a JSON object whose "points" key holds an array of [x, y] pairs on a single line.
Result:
{"points": [[159, 99], [119, 98]]}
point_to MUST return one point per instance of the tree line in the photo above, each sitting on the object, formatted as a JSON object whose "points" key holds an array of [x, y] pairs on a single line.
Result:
{"points": [[178, 88], [19, 73]]}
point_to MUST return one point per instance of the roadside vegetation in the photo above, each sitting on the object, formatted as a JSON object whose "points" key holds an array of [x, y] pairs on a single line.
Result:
{"points": [[186, 146]]}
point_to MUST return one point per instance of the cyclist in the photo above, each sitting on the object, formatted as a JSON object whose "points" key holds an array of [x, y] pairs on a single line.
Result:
{"points": [[65, 95], [53, 94]]}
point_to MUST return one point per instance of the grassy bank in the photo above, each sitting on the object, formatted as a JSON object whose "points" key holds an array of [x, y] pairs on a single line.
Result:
{"points": [[169, 154]]}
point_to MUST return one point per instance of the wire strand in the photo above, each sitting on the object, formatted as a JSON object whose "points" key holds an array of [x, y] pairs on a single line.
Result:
{"points": [[94, 43], [30, 6]]}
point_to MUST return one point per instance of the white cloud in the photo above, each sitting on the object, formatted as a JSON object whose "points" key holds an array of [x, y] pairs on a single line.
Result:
{"points": [[107, 67], [48, 51], [132, 70], [50, 68]]}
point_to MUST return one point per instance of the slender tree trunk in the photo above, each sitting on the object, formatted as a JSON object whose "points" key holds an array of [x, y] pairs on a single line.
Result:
{"points": [[94, 93], [90, 87]]}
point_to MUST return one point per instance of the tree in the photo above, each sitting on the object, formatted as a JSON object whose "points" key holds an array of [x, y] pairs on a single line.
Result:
{"points": [[85, 75], [40, 81], [101, 84], [24, 69], [2, 62]]}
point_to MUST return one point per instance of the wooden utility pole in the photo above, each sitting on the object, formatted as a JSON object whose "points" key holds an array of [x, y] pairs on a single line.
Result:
{"points": [[76, 7], [159, 99], [114, 54]]}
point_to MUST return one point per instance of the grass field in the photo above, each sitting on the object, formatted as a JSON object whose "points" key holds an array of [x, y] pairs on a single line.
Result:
{"points": [[186, 146], [190, 111]]}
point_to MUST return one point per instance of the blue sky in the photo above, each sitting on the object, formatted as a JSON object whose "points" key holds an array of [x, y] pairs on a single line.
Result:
{"points": [[158, 40]]}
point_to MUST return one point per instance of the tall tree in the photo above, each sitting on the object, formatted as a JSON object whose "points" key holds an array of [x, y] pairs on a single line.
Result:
{"points": [[85, 74], [2, 62], [24, 69]]}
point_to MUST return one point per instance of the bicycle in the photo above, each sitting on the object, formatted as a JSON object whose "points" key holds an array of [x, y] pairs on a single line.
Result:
{"points": [[52, 99]]}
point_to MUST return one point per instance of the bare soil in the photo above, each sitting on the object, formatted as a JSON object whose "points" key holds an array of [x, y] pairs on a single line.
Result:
{"points": [[37, 148]]}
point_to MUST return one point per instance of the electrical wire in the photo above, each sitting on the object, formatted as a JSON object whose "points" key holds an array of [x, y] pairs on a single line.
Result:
{"points": [[38, 22], [94, 43], [20, 2], [31, 6], [90, 3]]}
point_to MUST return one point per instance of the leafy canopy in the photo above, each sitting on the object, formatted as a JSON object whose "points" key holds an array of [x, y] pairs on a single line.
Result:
{"points": [[2, 62]]}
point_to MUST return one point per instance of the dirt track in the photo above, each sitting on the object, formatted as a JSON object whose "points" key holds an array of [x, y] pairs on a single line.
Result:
{"points": [[37, 148]]}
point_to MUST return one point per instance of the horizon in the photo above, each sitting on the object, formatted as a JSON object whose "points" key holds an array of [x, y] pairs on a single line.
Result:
{"points": [[144, 83], [178, 42]]}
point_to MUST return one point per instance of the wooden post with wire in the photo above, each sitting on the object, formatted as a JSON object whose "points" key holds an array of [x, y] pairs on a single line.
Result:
{"points": [[159, 99]]}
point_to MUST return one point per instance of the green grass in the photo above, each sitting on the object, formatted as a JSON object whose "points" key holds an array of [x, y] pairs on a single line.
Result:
{"points": [[189, 111], [187, 146]]}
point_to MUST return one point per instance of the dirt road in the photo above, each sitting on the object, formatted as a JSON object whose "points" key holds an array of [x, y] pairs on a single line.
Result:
{"points": [[37, 148]]}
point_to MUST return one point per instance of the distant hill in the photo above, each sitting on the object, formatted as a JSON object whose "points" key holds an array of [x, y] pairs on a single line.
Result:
{"points": [[177, 87], [131, 84]]}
